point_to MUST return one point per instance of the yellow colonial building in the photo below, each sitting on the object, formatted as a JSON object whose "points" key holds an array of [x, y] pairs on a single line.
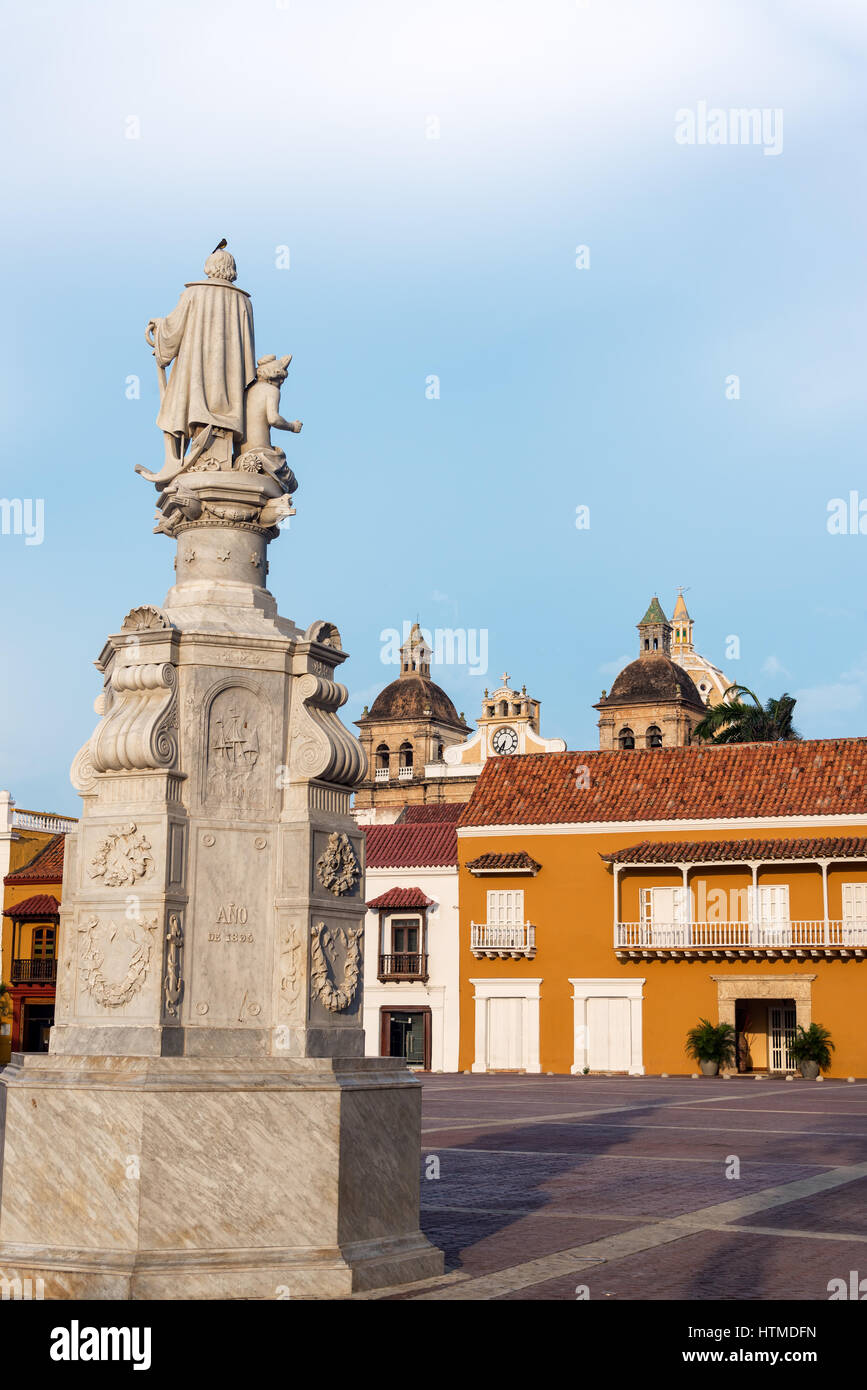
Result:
{"points": [[607, 902], [31, 862]]}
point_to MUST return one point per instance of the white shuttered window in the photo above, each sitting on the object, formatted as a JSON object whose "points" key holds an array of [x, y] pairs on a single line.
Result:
{"points": [[506, 909]]}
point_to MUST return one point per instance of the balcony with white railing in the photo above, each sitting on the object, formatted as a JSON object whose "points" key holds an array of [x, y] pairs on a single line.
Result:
{"points": [[492, 940], [752, 938], [381, 774], [43, 820], [404, 774]]}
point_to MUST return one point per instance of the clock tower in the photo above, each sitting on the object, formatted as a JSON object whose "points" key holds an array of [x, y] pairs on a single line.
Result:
{"points": [[508, 724]]}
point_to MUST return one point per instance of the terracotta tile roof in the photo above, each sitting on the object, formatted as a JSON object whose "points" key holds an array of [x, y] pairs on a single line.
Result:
{"points": [[820, 777], [400, 897], [45, 867], [401, 846], [739, 851], [40, 905], [490, 863], [443, 811]]}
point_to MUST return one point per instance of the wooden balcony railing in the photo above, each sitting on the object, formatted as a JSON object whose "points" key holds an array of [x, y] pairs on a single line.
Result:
{"points": [[25, 972], [490, 939], [733, 937], [403, 965]]}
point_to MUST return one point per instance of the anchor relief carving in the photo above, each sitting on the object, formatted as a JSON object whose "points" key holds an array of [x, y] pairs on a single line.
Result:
{"points": [[174, 985]]}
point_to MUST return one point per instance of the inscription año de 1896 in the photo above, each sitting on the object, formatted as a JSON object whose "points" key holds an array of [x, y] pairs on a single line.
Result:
{"points": [[233, 915]]}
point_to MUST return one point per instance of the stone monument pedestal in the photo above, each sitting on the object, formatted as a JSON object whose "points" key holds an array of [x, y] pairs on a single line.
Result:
{"points": [[172, 1178], [205, 1124]]}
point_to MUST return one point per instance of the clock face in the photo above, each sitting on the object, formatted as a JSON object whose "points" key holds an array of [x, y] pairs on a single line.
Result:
{"points": [[505, 741]]}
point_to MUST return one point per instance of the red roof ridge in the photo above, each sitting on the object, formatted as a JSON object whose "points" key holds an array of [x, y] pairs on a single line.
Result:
{"points": [[40, 905], [819, 777], [400, 898], [37, 871], [420, 844]]}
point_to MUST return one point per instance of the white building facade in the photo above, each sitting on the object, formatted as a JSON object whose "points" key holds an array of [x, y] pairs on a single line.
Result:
{"points": [[411, 939]]}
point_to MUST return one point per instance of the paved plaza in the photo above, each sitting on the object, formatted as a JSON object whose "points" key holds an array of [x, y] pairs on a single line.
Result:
{"points": [[619, 1184]]}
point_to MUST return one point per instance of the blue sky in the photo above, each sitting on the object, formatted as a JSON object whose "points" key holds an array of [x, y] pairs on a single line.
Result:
{"points": [[306, 126]]}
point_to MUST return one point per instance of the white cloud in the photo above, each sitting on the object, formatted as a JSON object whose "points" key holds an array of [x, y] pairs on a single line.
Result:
{"points": [[613, 668], [836, 708], [773, 667]]}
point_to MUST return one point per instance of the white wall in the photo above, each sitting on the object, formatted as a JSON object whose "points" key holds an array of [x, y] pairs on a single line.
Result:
{"points": [[440, 994]]}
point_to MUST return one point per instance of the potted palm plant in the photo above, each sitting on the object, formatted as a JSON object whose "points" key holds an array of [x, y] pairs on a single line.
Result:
{"points": [[712, 1045], [810, 1049]]}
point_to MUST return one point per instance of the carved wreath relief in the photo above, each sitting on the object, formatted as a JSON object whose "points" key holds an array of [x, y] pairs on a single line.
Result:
{"points": [[122, 856], [335, 997], [337, 867], [96, 938]]}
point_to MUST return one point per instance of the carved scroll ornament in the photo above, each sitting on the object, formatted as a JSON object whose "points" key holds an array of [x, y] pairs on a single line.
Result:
{"points": [[138, 729], [319, 745]]}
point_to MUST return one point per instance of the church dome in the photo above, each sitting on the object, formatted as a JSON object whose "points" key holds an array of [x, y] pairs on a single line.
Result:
{"points": [[415, 697], [653, 677]]}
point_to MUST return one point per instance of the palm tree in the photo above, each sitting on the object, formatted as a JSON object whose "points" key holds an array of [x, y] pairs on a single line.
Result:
{"points": [[736, 721]]}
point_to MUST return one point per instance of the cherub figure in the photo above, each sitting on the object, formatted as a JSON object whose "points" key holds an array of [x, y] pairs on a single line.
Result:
{"points": [[262, 403]]}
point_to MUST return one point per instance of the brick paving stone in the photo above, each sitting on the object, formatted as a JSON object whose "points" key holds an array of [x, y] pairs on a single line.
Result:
{"points": [[571, 1162], [841, 1211], [710, 1266]]}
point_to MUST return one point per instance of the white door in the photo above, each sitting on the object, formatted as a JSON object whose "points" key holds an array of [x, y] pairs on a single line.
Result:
{"points": [[505, 1035], [609, 1035], [775, 927], [855, 914], [781, 1020]]}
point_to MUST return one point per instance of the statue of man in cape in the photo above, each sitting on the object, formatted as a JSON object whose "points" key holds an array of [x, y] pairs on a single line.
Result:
{"points": [[209, 337]]}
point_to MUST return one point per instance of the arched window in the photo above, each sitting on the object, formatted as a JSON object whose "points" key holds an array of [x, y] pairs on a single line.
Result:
{"points": [[656, 644], [647, 644], [382, 756], [405, 754], [440, 752], [654, 736], [626, 738]]}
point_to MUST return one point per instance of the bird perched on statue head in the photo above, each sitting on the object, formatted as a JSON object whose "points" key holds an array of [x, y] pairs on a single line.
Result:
{"points": [[220, 245]]}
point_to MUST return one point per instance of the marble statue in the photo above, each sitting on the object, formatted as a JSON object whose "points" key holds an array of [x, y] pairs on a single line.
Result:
{"points": [[209, 338], [262, 403]]}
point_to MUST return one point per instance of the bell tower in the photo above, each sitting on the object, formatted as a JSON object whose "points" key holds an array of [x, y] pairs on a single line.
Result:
{"points": [[415, 654], [682, 626], [654, 631]]}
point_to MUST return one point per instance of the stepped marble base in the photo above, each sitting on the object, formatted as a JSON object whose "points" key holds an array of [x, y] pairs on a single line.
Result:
{"points": [[211, 1178]]}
